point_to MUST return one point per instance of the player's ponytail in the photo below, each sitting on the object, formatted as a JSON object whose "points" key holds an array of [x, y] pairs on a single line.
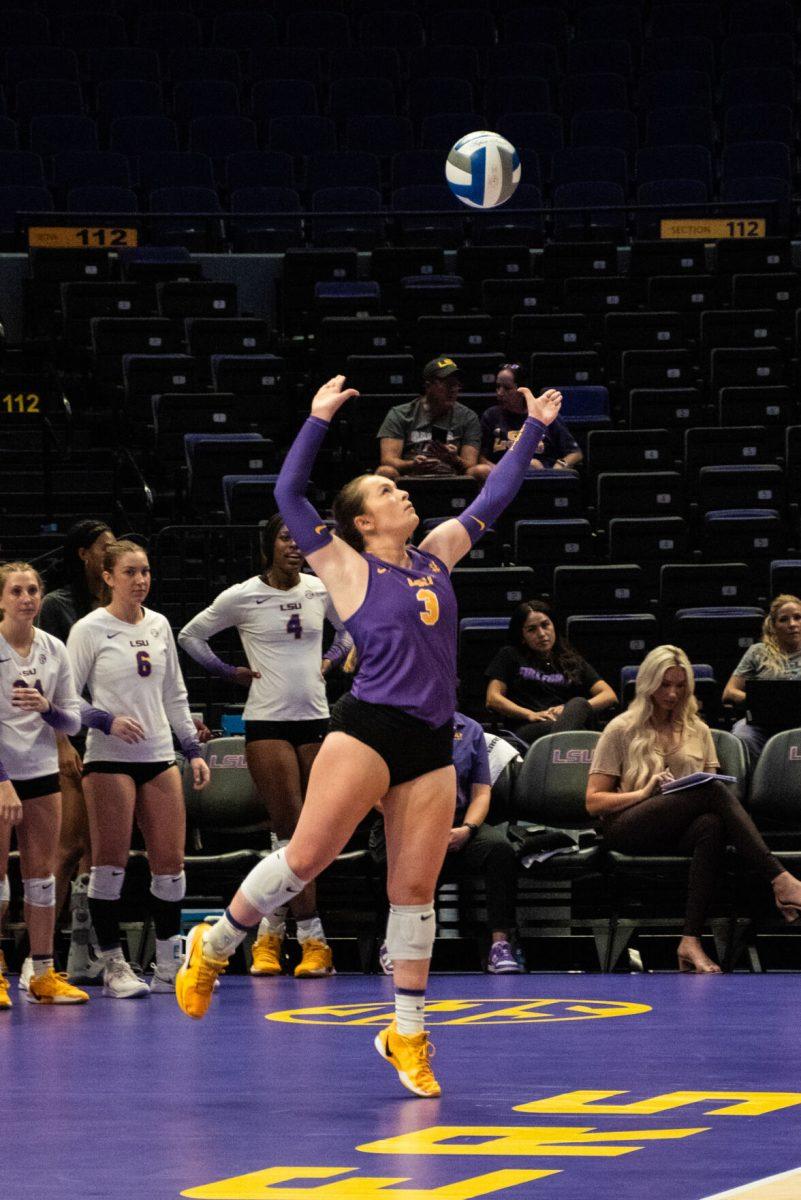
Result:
{"points": [[347, 506]]}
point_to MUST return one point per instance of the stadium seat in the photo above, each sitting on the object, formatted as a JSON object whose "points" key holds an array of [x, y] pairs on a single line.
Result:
{"points": [[488, 591], [597, 210], [244, 495], [283, 98], [201, 62], [583, 57], [21, 168], [193, 98], [264, 168], [757, 85], [620, 20], [211, 456], [509, 94], [228, 335], [382, 373], [758, 535], [758, 123], [629, 450], [650, 541], [677, 51], [280, 226], [40, 62], [661, 89], [545, 544], [619, 587], [532, 130], [244, 30], [774, 793], [568, 369], [128, 98], [381, 135], [199, 412], [162, 31], [143, 135], [762, 366], [785, 577], [99, 199], [43, 97], [598, 89], [92, 29], [669, 408], [710, 446], [391, 29], [440, 94], [556, 332], [197, 298], [701, 585], [479, 640], [610, 638], [219, 136], [188, 223], [14, 200], [657, 368], [646, 494], [752, 485], [720, 635], [680, 126], [440, 496], [149, 375], [615, 127], [300, 135]]}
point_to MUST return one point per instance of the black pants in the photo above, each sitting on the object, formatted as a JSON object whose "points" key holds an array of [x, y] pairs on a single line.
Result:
{"points": [[576, 714], [700, 821], [490, 855]]}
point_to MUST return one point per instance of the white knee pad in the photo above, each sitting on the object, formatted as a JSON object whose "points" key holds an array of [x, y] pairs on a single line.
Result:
{"points": [[40, 893], [168, 887], [271, 883], [5, 891], [410, 931], [105, 883]]}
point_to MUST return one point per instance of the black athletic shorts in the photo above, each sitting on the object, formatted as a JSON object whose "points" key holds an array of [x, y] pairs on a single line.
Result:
{"points": [[297, 733], [408, 746], [29, 789], [139, 772]]}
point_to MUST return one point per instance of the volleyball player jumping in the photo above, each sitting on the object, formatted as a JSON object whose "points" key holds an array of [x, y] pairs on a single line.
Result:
{"points": [[391, 737]]}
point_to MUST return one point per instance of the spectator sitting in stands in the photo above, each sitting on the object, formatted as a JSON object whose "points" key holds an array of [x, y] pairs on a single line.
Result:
{"points": [[434, 434], [658, 739], [500, 425], [776, 656], [538, 683], [475, 848]]}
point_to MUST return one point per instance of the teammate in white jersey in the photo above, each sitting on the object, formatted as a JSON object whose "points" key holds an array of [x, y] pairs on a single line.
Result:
{"points": [[125, 654], [279, 616], [37, 700]]}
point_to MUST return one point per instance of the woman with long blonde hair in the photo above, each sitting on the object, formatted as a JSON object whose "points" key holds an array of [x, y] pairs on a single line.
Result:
{"points": [[660, 738], [776, 656]]}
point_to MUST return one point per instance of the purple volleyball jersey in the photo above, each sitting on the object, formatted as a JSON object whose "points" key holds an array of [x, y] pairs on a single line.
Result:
{"points": [[405, 637]]}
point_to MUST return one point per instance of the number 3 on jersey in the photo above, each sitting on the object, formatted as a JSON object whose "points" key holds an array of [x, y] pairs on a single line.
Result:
{"points": [[430, 613], [294, 626]]}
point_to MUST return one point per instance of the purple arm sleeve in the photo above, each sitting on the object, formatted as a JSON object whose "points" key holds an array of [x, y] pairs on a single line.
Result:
{"points": [[191, 749], [196, 648], [96, 718], [4, 776], [503, 482], [59, 719], [340, 648], [304, 523]]}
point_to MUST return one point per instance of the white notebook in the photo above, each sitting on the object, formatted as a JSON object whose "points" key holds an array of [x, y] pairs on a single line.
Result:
{"points": [[694, 780]]}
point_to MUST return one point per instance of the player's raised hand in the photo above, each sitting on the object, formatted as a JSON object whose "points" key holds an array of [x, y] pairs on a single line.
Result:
{"points": [[544, 408], [330, 398]]}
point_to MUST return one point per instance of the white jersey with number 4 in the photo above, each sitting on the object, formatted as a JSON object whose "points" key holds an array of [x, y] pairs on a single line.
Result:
{"points": [[131, 671], [282, 636], [27, 743]]}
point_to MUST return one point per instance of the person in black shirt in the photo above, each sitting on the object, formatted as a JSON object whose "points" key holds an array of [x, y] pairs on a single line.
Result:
{"points": [[538, 683], [500, 425]]}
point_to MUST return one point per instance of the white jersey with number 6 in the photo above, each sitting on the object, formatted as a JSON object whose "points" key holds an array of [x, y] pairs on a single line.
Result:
{"points": [[27, 742], [132, 671], [282, 636]]}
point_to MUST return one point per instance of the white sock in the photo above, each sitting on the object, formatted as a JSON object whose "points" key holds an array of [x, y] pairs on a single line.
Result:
{"points": [[42, 965], [409, 1007], [224, 936], [275, 923], [168, 953], [115, 954], [311, 928]]}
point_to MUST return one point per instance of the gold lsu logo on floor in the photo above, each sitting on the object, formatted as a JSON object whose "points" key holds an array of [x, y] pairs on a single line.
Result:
{"points": [[466, 1012]]}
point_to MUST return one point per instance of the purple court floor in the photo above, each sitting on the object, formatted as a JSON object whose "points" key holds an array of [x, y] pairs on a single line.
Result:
{"points": [[559, 1087]]}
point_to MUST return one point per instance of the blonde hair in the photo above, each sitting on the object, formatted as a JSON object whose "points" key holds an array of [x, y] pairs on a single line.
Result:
{"points": [[349, 504], [644, 759], [115, 551], [774, 654], [11, 568]]}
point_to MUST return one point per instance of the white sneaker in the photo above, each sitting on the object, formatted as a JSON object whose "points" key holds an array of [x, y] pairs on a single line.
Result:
{"points": [[25, 974], [84, 968], [163, 979], [121, 981]]}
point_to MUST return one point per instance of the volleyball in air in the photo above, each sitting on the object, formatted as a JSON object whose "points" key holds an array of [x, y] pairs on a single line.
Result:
{"points": [[482, 169]]}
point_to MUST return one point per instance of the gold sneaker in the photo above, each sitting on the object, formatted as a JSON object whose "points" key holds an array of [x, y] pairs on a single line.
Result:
{"points": [[317, 960], [409, 1056], [5, 999], [53, 988], [267, 957], [195, 980]]}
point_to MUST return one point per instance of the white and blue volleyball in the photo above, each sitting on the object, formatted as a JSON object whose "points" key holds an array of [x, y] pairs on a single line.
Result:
{"points": [[482, 169]]}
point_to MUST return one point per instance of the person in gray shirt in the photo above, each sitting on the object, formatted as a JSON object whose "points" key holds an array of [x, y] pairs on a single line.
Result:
{"points": [[434, 434]]}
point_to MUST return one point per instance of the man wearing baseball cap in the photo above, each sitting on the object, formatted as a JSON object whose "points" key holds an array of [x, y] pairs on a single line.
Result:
{"points": [[434, 434]]}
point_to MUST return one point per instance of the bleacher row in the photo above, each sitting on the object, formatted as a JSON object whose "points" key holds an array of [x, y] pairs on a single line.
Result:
{"points": [[352, 111]]}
